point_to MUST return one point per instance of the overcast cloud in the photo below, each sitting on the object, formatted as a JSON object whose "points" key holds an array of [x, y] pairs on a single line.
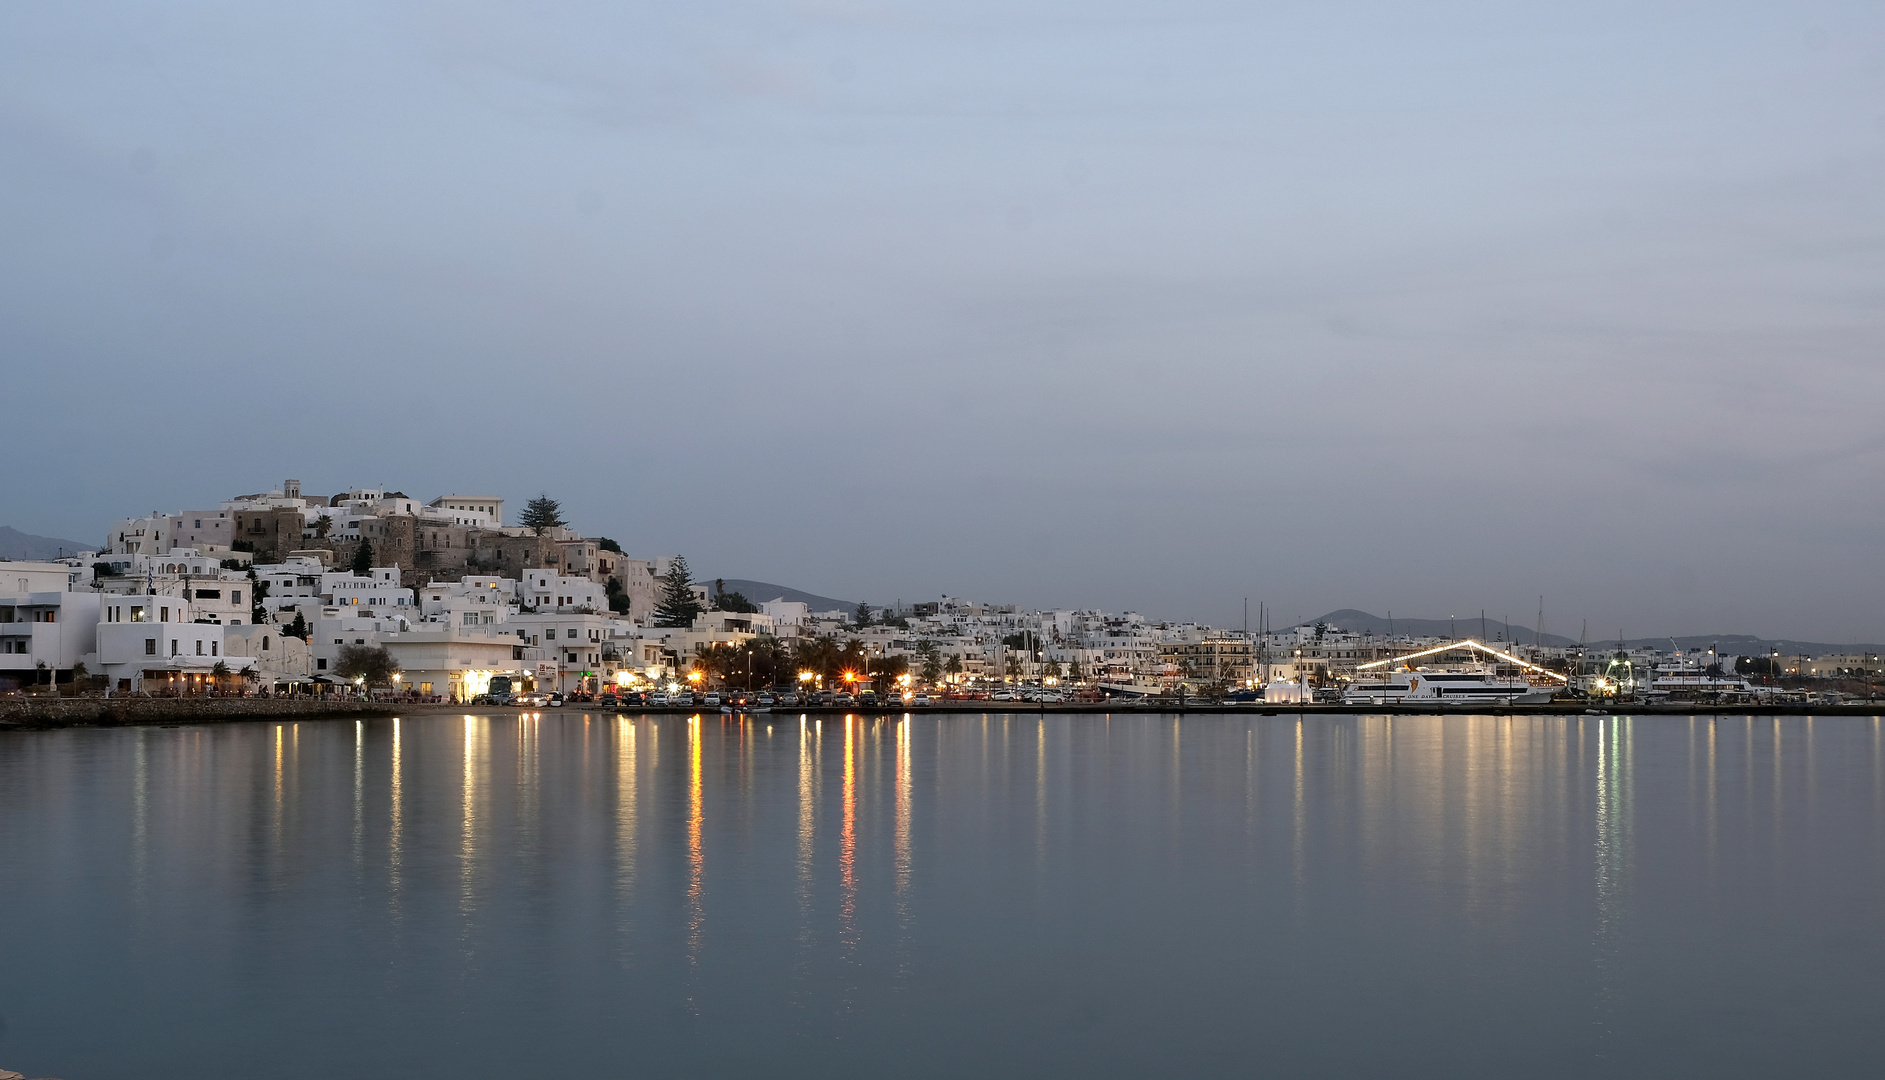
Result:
{"points": [[1155, 306]]}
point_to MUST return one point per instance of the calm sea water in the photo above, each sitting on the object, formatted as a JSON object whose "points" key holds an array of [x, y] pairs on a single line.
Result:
{"points": [[963, 895]]}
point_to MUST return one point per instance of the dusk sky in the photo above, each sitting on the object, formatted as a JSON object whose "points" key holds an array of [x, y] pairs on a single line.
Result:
{"points": [[1151, 306]]}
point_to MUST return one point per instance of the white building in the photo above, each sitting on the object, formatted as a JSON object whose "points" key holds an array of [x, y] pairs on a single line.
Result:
{"points": [[282, 662], [155, 643], [216, 595], [489, 508], [45, 628], [457, 663], [473, 600], [547, 590], [378, 588]]}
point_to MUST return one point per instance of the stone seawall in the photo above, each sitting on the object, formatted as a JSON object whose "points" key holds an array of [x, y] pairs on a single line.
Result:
{"points": [[16, 713]]}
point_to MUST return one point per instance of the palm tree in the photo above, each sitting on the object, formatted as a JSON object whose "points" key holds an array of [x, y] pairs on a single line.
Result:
{"points": [[216, 676]]}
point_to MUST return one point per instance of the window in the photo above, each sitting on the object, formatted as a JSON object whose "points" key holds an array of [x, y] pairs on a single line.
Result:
{"points": [[235, 596], [321, 664], [199, 646], [150, 646], [571, 633], [173, 646], [137, 613], [212, 647], [264, 643], [166, 615]]}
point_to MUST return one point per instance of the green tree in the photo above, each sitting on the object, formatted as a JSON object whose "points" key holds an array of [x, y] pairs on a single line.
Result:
{"points": [[1074, 672], [854, 657], [954, 666], [1052, 670], [298, 628], [374, 665], [607, 544], [816, 655], [258, 592], [363, 557], [889, 669], [863, 614], [678, 606], [730, 601], [542, 513], [618, 598], [218, 675], [322, 526]]}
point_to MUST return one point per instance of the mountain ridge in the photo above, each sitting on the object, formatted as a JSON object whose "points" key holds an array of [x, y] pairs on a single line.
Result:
{"points": [[1495, 630], [15, 544]]}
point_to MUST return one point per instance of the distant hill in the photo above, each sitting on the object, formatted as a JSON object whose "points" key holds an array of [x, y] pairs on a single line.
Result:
{"points": [[1361, 622], [15, 544], [1727, 644], [760, 592]]}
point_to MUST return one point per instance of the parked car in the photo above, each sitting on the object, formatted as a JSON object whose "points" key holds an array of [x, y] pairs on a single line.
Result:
{"points": [[1002, 695], [710, 699], [659, 700], [919, 700], [765, 701], [843, 700], [556, 699], [606, 700], [1050, 697]]}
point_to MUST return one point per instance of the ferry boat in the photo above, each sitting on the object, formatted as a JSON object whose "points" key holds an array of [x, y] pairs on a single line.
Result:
{"points": [[1487, 676], [1684, 677], [1424, 685]]}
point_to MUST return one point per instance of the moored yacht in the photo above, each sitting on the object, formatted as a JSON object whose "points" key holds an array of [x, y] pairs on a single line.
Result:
{"points": [[1685, 677]]}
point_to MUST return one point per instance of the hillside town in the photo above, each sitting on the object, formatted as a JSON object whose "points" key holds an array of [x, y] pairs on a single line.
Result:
{"points": [[371, 592]]}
